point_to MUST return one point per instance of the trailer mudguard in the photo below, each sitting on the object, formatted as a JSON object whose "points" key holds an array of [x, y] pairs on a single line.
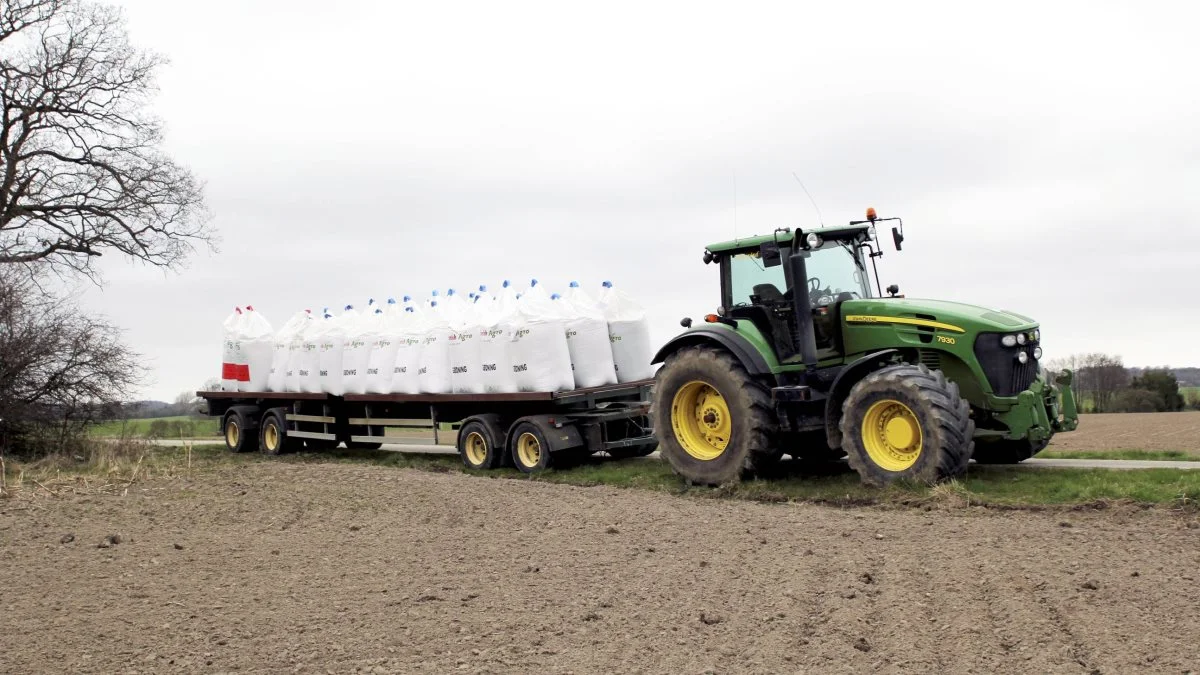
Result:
{"points": [[846, 379], [735, 344], [561, 434]]}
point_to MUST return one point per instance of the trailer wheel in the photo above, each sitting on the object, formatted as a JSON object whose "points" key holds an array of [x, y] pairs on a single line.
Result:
{"points": [[480, 445], [273, 438], [530, 450], [239, 433]]}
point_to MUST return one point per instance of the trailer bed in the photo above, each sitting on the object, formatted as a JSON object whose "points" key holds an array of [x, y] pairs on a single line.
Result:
{"points": [[565, 397]]}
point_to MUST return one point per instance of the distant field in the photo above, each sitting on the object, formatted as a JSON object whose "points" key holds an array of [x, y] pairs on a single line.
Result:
{"points": [[165, 427], [1114, 432]]}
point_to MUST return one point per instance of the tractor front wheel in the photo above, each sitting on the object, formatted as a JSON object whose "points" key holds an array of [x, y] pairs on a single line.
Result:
{"points": [[907, 422], [713, 420]]}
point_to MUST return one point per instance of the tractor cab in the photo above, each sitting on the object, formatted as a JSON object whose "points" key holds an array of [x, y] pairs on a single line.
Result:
{"points": [[782, 282]]}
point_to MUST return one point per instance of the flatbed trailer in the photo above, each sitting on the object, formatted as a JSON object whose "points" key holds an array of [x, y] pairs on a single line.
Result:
{"points": [[528, 430]]}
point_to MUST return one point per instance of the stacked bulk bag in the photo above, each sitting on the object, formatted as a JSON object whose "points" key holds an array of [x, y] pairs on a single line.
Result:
{"points": [[254, 351], [305, 362], [330, 340], [406, 369], [281, 351], [496, 317], [628, 334], [381, 358], [540, 356], [433, 374], [230, 350], [465, 360], [359, 331], [588, 340]]}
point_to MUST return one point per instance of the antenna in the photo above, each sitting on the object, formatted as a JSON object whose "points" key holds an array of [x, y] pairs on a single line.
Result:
{"points": [[820, 219], [735, 204]]}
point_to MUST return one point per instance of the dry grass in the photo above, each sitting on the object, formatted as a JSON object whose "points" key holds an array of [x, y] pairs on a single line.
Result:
{"points": [[103, 467]]}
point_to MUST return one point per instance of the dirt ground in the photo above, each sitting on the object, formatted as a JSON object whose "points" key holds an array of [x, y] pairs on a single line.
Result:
{"points": [[313, 568], [1134, 431]]}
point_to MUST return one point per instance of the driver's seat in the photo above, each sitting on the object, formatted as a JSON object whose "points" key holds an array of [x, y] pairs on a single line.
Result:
{"points": [[767, 293]]}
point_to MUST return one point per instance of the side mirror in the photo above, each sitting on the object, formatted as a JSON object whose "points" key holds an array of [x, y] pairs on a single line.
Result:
{"points": [[770, 255], [897, 238], [686, 322], [708, 257], [893, 290]]}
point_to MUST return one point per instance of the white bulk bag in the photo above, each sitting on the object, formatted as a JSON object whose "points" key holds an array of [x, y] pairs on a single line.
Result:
{"points": [[331, 345], [230, 350], [257, 348], [496, 317], [281, 350], [465, 360], [409, 328], [587, 340], [540, 356], [360, 331], [433, 372], [305, 361], [629, 335], [381, 359]]}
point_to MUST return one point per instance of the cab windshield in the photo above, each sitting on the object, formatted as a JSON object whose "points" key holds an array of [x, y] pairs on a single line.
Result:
{"points": [[835, 272]]}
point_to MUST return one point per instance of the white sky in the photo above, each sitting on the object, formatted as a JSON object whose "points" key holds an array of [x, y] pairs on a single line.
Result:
{"points": [[1045, 157]]}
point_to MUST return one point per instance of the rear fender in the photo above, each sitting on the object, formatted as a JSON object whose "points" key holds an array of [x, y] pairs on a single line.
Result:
{"points": [[728, 340]]}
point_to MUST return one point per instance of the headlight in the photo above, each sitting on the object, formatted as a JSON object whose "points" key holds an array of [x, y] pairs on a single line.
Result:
{"points": [[1009, 340], [813, 240], [1022, 357], [1021, 338], [1037, 335], [1037, 352]]}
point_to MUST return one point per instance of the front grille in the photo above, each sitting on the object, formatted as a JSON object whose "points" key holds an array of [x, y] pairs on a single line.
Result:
{"points": [[1007, 376]]}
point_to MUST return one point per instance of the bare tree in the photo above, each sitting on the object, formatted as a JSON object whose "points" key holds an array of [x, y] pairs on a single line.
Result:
{"points": [[83, 170], [60, 369]]}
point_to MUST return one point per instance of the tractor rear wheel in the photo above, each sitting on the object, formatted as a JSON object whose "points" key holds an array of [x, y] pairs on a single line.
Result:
{"points": [[1007, 451], [714, 421], [907, 422]]}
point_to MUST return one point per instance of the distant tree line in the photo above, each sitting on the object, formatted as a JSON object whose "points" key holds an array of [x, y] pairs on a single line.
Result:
{"points": [[1104, 384]]}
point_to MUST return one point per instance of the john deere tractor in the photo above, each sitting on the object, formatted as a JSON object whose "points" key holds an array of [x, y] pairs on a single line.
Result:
{"points": [[806, 357]]}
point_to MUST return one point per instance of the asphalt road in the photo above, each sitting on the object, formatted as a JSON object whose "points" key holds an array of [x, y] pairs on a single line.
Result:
{"points": [[1035, 463]]}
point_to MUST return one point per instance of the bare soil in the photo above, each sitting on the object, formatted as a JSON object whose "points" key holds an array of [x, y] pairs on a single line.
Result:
{"points": [[1134, 431], [308, 567]]}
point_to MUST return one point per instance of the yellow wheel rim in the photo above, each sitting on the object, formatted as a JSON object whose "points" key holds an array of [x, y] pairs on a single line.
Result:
{"points": [[232, 434], [271, 437], [476, 448], [529, 451], [892, 435], [701, 420]]}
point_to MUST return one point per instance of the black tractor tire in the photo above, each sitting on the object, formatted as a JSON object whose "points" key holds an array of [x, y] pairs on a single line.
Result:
{"points": [[240, 434], [363, 445], [481, 445], [1007, 451], [529, 449], [941, 439], [714, 451]]}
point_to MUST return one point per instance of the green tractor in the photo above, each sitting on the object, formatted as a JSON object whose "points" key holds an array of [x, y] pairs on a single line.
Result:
{"points": [[804, 358]]}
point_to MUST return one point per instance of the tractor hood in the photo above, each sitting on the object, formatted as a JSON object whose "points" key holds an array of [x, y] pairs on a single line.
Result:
{"points": [[954, 317]]}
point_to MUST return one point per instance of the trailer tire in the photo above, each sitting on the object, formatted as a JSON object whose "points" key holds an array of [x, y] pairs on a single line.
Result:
{"points": [[480, 445], [238, 430], [273, 438], [530, 450]]}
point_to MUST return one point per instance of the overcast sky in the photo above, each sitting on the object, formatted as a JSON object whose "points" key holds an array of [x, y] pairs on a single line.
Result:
{"points": [[1045, 157]]}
